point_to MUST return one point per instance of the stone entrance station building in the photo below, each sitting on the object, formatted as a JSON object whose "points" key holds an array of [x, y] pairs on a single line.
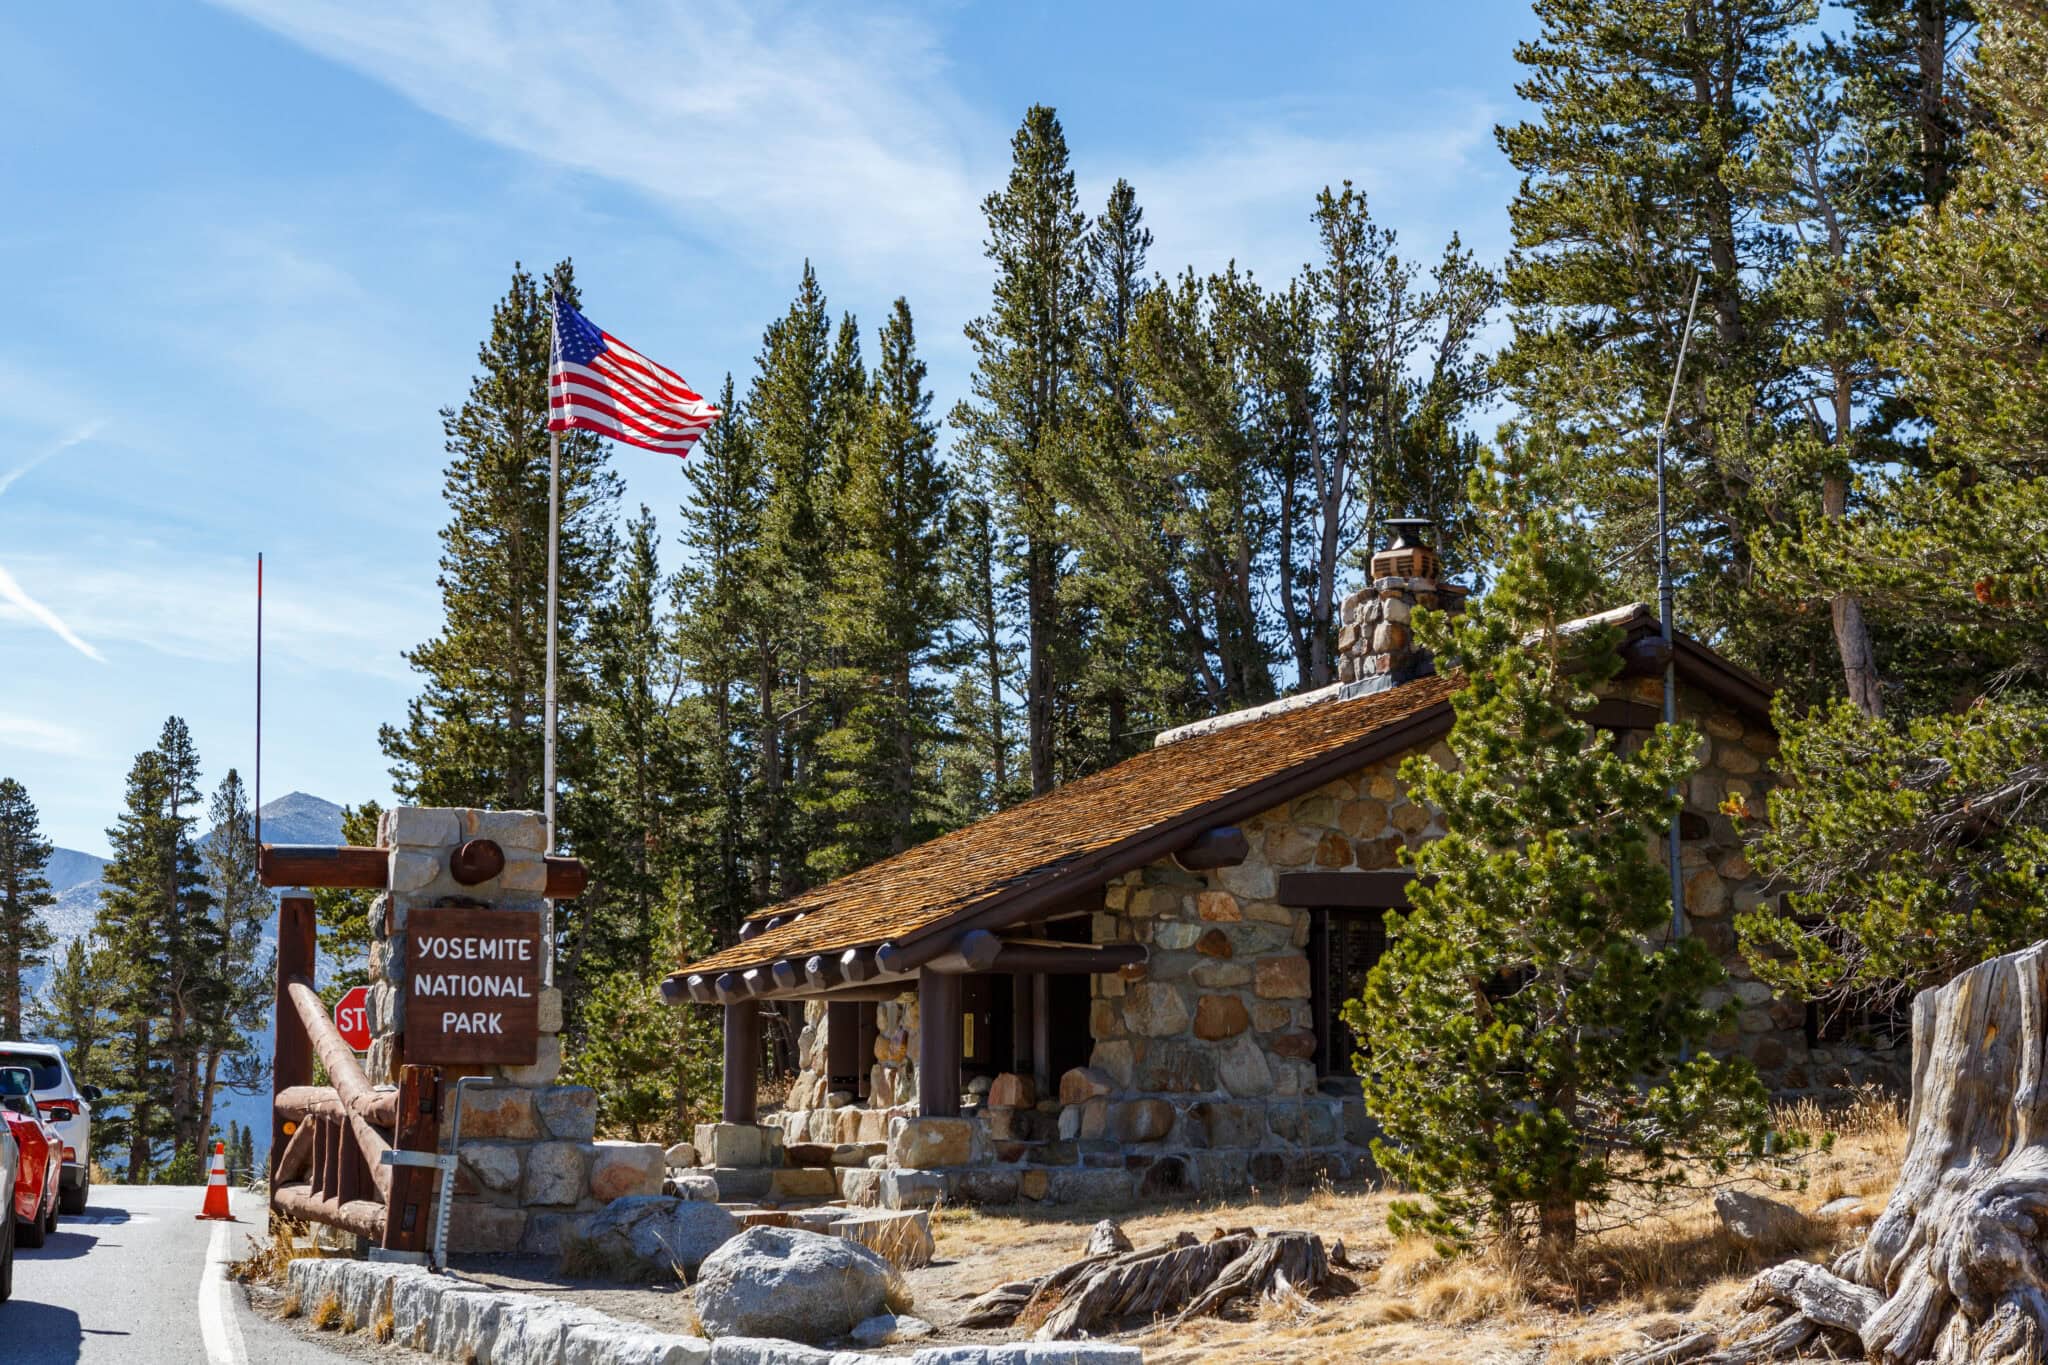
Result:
{"points": [[1131, 986]]}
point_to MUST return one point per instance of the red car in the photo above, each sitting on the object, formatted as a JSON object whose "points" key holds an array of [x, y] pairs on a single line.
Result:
{"points": [[40, 1175]]}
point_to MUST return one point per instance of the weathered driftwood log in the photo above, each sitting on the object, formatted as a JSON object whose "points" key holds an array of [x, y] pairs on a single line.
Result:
{"points": [[1141, 1285], [1955, 1270], [1000, 1306], [1114, 1283]]}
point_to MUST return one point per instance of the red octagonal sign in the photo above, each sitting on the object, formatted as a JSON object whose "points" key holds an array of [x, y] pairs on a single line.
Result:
{"points": [[352, 1017]]}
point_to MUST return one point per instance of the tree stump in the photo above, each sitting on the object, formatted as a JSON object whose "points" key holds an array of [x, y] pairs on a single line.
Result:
{"points": [[1955, 1270]]}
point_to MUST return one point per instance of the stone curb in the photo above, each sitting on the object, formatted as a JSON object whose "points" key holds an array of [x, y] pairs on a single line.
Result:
{"points": [[458, 1321]]}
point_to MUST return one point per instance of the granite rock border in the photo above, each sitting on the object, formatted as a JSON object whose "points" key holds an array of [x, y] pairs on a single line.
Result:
{"points": [[455, 1320]]}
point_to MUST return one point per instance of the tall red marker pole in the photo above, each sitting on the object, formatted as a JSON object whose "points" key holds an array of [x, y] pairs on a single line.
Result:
{"points": [[259, 702]]}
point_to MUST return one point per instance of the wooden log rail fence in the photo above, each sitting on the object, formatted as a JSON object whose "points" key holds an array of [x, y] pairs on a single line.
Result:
{"points": [[328, 1142]]}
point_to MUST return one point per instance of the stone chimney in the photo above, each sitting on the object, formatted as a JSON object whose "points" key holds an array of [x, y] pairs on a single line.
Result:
{"points": [[1375, 647]]}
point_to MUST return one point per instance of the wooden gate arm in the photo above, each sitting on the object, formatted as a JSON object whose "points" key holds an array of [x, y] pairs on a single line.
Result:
{"points": [[350, 1082]]}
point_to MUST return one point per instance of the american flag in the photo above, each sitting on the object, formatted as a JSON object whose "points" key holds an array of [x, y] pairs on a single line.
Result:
{"points": [[598, 383]]}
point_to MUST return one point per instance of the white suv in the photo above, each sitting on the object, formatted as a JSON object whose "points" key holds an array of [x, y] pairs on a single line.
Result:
{"points": [[67, 1107]]}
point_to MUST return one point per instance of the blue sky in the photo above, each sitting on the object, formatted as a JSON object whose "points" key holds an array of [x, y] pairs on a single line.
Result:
{"points": [[250, 249]]}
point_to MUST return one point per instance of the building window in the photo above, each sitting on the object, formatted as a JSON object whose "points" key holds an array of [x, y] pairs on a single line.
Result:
{"points": [[1343, 946]]}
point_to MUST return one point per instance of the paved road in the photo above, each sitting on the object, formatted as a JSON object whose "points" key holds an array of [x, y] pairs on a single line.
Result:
{"points": [[136, 1280]]}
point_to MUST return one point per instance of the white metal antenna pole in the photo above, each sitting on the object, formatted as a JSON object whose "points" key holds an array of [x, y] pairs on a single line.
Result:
{"points": [[1664, 596]]}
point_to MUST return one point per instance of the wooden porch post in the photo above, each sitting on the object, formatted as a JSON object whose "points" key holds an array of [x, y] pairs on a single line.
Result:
{"points": [[938, 1044], [842, 1046], [742, 1061], [1041, 1036], [293, 1050]]}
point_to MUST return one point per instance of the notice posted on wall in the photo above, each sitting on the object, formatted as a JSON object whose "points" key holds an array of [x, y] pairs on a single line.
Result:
{"points": [[472, 986]]}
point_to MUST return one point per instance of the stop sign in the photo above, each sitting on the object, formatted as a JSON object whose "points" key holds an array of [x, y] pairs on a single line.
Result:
{"points": [[352, 1017]]}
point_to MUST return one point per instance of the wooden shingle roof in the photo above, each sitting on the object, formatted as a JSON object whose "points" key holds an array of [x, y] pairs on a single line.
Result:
{"points": [[1181, 789], [1019, 863]]}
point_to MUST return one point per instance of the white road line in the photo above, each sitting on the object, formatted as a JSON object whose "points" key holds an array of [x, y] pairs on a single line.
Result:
{"points": [[217, 1325]]}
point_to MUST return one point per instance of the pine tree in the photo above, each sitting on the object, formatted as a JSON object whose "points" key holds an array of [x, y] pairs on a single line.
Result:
{"points": [[193, 942], [1193, 514], [1122, 599], [719, 597], [1522, 1034], [654, 1066], [24, 895], [236, 978], [1917, 844], [473, 737], [642, 790], [132, 922], [1017, 425], [244, 1149], [796, 409], [1647, 119], [73, 1013], [886, 610], [343, 915], [979, 767]]}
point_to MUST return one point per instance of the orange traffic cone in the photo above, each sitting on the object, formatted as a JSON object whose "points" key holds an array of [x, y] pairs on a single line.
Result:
{"points": [[217, 1188]]}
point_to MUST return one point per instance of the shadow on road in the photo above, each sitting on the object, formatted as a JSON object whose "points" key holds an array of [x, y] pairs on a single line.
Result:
{"points": [[95, 1215], [61, 1245], [40, 1334]]}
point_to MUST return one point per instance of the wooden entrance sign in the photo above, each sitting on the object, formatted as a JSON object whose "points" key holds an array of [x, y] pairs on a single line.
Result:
{"points": [[472, 986]]}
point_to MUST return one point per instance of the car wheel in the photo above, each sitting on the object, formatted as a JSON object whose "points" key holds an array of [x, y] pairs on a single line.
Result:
{"points": [[72, 1201], [6, 1259], [50, 1218], [29, 1234]]}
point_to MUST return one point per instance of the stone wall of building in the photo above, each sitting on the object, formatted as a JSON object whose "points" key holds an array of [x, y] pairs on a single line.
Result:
{"points": [[531, 1165], [1202, 1076]]}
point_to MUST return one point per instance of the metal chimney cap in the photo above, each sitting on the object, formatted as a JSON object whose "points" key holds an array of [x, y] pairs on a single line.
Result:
{"points": [[1409, 532]]}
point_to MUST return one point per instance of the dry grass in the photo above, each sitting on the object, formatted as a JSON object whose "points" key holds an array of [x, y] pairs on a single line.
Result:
{"points": [[291, 1307], [384, 1326], [269, 1261], [1620, 1289], [327, 1313]]}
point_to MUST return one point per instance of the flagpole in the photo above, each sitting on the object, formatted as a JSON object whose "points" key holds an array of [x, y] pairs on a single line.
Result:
{"points": [[548, 744], [554, 555]]}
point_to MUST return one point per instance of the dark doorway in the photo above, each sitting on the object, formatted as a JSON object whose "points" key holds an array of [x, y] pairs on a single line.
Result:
{"points": [[1343, 946], [987, 1015], [1068, 1000]]}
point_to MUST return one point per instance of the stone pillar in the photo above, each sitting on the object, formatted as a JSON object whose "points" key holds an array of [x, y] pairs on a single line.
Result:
{"points": [[531, 1168]]}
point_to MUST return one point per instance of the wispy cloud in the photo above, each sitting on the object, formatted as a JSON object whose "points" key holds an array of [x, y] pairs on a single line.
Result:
{"points": [[78, 437], [327, 617], [841, 134], [759, 124], [40, 736], [11, 591], [14, 594]]}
